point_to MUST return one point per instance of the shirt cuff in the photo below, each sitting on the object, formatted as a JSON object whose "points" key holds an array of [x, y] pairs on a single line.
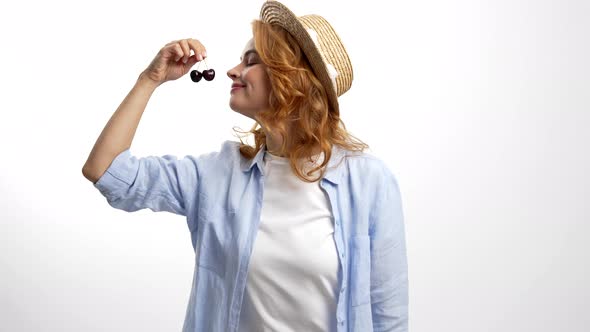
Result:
{"points": [[119, 175]]}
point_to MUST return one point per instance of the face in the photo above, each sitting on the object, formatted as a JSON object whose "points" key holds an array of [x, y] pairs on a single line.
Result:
{"points": [[250, 83]]}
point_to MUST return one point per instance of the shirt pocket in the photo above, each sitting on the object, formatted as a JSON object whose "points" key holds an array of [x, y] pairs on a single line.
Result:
{"points": [[360, 251]]}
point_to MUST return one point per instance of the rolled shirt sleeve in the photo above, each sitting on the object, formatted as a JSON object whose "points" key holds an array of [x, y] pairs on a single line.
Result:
{"points": [[156, 183], [389, 269]]}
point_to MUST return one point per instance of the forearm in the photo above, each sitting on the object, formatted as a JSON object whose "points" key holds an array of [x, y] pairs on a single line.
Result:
{"points": [[119, 131]]}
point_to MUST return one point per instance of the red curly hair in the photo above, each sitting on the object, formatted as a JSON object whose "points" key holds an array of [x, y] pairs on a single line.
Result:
{"points": [[299, 109]]}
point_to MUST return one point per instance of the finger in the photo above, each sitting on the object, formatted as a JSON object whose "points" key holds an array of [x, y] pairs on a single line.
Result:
{"points": [[192, 60], [198, 48], [185, 50], [174, 52], [172, 42]]}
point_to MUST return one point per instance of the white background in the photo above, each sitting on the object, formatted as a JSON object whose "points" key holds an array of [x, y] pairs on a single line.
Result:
{"points": [[480, 108]]}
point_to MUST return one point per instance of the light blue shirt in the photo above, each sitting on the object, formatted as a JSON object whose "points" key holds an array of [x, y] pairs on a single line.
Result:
{"points": [[220, 193]]}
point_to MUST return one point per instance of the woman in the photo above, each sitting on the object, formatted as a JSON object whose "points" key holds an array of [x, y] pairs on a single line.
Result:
{"points": [[301, 232]]}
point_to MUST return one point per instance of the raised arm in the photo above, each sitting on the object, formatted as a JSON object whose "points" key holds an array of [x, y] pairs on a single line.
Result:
{"points": [[118, 133], [172, 61]]}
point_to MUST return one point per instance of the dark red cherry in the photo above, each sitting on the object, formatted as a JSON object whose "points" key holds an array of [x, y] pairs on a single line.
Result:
{"points": [[196, 75], [209, 74]]}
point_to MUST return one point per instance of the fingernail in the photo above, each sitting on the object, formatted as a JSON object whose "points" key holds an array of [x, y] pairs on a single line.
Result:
{"points": [[204, 54], [184, 60], [200, 57]]}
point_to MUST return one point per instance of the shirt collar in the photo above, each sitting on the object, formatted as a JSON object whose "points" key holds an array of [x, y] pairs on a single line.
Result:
{"points": [[333, 172], [258, 160]]}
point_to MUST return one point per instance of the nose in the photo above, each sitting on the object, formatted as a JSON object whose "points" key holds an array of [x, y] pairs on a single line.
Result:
{"points": [[233, 73]]}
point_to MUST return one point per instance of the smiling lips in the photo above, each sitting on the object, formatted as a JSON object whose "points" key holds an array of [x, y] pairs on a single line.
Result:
{"points": [[236, 86]]}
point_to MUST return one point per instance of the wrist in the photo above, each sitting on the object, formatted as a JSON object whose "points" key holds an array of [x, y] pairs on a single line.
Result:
{"points": [[145, 81]]}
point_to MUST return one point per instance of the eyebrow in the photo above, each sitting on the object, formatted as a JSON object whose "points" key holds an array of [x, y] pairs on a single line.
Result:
{"points": [[248, 52]]}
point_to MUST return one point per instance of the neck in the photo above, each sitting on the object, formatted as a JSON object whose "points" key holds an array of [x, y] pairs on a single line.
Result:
{"points": [[273, 142], [273, 145]]}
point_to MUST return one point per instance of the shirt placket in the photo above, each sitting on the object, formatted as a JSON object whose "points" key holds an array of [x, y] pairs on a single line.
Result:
{"points": [[340, 248], [241, 278]]}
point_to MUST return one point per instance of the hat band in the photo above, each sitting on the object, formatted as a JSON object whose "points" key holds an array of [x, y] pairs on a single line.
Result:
{"points": [[332, 72]]}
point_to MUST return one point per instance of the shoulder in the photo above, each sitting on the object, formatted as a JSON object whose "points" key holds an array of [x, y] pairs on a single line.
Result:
{"points": [[367, 165], [228, 151], [230, 146], [216, 161], [365, 175]]}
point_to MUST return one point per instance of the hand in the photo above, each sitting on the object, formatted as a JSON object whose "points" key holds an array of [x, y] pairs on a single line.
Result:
{"points": [[174, 60]]}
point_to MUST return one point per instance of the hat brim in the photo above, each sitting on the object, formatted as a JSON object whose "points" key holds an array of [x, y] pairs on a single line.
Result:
{"points": [[274, 12]]}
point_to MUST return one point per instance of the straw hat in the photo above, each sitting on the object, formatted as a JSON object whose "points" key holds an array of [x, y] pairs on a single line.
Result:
{"points": [[321, 45]]}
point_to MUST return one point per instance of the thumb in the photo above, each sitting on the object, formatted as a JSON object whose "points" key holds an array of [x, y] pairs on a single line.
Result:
{"points": [[191, 61]]}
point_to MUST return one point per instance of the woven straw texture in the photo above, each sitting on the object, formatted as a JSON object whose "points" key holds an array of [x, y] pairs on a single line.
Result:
{"points": [[331, 49]]}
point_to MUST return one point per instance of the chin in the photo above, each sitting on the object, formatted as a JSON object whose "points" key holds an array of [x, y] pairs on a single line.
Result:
{"points": [[242, 111]]}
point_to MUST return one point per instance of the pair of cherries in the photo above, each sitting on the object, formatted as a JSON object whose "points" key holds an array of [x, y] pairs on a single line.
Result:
{"points": [[208, 74]]}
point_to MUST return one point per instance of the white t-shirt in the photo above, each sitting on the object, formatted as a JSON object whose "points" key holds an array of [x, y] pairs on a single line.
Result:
{"points": [[293, 271]]}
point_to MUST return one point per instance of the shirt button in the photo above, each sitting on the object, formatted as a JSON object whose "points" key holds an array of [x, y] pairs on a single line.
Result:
{"points": [[342, 290]]}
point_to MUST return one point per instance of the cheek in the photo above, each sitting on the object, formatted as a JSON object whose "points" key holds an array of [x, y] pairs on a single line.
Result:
{"points": [[255, 74], [266, 79], [246, 74], [258, 79]]}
